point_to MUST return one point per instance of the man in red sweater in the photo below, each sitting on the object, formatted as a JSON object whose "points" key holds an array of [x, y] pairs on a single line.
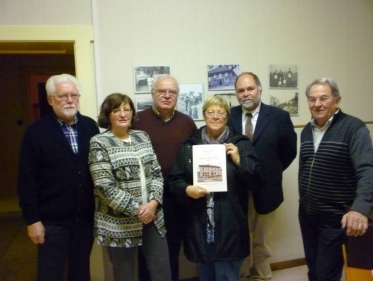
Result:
{"points": [[167, 128]]}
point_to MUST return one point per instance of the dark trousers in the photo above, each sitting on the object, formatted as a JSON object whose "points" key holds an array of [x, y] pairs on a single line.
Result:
{"points": [[174, 222], [322, 241], [154, 249], [68, 247]]}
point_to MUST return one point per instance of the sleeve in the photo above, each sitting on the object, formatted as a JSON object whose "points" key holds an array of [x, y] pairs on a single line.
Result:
{"points": [[361, 153], [181, 177], [288, 141], [29, 171], [156, 188], [105, 185], [250, 169]]}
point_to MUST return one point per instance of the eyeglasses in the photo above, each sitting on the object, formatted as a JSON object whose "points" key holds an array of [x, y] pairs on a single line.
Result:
{"points": [[163, 92], [65, 97], [212, 114], [118, 111], [322, 99]]}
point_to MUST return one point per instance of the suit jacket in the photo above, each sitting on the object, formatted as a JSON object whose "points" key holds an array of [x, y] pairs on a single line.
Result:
{"points": [[275, 143], [54, 183]]}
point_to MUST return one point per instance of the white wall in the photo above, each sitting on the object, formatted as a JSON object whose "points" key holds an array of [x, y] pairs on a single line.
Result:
{"points": [[324, 38]]}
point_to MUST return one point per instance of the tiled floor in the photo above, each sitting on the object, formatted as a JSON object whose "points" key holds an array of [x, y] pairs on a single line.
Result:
{"points": [[18, 254]]}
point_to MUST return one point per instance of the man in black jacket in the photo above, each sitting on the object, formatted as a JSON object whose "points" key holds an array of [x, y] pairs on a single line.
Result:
{"points": [[54, 184], [274, 140]]}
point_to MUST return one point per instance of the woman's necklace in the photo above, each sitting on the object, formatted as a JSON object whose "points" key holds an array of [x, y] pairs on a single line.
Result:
{"points": [[128, 140]]}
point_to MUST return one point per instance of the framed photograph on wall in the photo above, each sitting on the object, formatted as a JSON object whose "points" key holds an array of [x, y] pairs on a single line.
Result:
{"points": [[286, 100], [144, 76], [230, 98], [143, 101], [222, 76], [283, 76], [191, 98]]}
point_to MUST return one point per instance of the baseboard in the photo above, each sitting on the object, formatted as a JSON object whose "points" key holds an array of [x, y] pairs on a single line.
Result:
{"points": [[274, 266], [287, 264]]}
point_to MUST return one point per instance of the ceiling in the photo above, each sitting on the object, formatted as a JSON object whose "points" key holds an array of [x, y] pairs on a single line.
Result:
{"points": [[34, 47]]}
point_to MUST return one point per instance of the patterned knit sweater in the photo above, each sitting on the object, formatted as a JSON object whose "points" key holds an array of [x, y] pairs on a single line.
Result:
{"points": [[115, 169], [340, 173]]}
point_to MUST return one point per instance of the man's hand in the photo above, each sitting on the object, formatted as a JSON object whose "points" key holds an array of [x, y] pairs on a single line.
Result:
{"points": [[195, 191], [355, 223], [36, 232]]}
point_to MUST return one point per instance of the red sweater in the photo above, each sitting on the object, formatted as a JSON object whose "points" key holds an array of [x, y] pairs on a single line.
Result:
{"points": [[166, 137]]}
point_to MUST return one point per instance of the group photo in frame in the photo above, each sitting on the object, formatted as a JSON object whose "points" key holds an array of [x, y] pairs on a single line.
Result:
{"points": [[286, 100], [283, 76], [190, 100], [230, 98], [222, 76], [144, 76]]}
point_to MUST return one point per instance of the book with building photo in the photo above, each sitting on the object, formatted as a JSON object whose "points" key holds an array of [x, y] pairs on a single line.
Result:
{"points": [[209, 167]]}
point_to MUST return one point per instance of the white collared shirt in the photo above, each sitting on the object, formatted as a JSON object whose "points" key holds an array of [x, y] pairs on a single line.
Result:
{"points": [[254, 119], [318, 132]]}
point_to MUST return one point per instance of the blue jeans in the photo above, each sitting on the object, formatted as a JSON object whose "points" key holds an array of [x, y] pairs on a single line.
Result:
{"points": [[218, 271], [66, 246], [322, 241]]}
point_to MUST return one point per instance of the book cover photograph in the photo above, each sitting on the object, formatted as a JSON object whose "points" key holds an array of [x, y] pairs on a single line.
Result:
{"points": [[209, 167]]}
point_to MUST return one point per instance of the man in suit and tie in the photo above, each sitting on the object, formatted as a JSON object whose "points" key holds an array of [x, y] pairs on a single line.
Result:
{"points": [[55, 188], [274, 139]]}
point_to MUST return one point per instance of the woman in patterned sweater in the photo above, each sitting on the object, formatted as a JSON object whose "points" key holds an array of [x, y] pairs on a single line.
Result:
{"points": [[128, 190]]}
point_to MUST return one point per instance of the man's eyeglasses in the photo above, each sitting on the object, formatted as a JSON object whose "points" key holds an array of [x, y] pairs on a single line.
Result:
{"points": [[163, 92], [322, 99], [65, 97], [120, 111], [212, 114]]}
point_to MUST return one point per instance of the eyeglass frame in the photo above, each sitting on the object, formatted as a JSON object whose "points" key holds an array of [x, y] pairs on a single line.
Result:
{"points": [[212, 114], [65, 97], [163, 92], [118, 111], [322, 99]]}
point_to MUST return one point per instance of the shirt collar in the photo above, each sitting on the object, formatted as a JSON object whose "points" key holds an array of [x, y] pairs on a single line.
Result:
{"points": [[327, 123], [160, 116], [62, 123], [254, 113]]}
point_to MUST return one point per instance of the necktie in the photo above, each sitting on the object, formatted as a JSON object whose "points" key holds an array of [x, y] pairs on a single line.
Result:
{"points": [[249, 126]]}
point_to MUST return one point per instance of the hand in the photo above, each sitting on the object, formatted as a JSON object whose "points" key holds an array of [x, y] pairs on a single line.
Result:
{"points": [[146, 212], [355, 223], [232, 150], [195, 191], [36, 232]]}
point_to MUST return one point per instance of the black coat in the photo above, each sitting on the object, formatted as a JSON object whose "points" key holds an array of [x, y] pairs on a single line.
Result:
{"points": [[275, 144], [230, 208], [54, 183]]}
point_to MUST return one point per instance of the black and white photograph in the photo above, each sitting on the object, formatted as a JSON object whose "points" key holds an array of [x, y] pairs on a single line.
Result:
{"points": [[286, 100], [190, 100], [283, 76], [144, 76], [222, 76], [143, 101], [230, 98]]}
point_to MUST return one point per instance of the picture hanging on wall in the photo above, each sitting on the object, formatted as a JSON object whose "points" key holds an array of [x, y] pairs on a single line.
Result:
{"points": [[144, 76], [143, 101], [222, 76], [283, 76], [286, 100], [191, 98], [230, 98]]}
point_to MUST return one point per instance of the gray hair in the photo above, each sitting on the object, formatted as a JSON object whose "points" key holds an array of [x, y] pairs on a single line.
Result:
{"points": [[160, 78], [64, 78], [216, 100], [324, 81]]}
